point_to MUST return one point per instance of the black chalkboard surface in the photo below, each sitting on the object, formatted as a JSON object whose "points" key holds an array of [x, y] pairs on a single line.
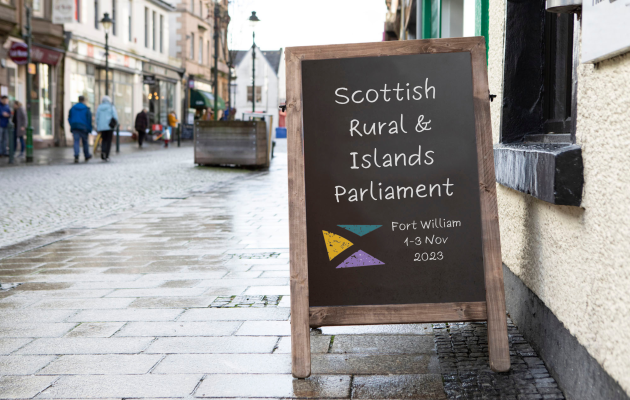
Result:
{"points": [[392, 188], [392, 193]]}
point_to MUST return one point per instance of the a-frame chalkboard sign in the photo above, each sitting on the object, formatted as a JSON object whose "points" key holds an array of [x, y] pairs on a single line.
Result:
{"points": [[393, 210]]}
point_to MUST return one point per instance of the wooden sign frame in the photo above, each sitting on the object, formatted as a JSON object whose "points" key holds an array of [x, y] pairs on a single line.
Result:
{"points": [[303, 317]]}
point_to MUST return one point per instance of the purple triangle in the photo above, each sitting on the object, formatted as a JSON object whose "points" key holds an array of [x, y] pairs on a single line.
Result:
{"points": [[360, 259]]}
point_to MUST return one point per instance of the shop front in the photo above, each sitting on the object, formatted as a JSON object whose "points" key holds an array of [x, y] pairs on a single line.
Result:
{"points": [[85, 76], [159, 92], [43, 71], [201, 102]]}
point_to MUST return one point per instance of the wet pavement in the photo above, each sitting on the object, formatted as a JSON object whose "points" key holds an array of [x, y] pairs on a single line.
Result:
{"points": [[190, 300]]}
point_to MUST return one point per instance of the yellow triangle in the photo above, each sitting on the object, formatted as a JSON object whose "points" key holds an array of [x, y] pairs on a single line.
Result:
{"points": [[335, 244]]}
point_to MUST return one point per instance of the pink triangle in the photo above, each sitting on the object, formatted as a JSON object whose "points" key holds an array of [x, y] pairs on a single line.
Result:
{"points": [[360, 259]]}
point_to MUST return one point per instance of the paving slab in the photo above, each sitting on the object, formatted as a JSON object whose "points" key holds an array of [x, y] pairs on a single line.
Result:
{"points": [[232, 314], [319, 344], [121, 386], [103, 364], [85, 303], [8, 346], [225, 364], [23, 365], [173, 302], [24, 387], [215, 328], [34, 330], [95, 329], [280, 386], [361, 364], [265, 328], [10, 317], [81, 345], [425, 386], [402, 329], [384, 344], [130, 314], [210, 345]]}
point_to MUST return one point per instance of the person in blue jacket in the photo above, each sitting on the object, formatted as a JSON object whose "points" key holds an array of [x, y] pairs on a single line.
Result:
{"points": [[80, 119], [106, 122]]}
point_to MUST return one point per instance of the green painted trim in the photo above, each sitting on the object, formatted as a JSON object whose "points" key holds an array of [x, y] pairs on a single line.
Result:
{"points": [[426, 19], [482, 21]]}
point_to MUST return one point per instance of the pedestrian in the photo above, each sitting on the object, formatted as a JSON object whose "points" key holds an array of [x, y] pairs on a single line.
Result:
{"points": [[141, 125], [5, 115], [80, 120], [172, 125], [19, 122], [106, 121]]}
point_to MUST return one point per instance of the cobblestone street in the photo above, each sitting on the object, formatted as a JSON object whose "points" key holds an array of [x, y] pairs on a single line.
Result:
{"points": [[190, 299], [41, 198]]}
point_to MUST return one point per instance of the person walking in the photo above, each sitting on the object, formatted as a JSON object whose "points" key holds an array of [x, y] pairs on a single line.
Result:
{"points": [[141, 125], [106, 121], [172, 125], [80, 120], [5, 116], [19, 122]]}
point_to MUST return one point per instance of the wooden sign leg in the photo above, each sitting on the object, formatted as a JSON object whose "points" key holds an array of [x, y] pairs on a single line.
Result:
{"points": [[300, 332]]}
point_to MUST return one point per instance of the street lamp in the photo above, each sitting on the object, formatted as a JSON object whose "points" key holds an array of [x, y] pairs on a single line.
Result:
{"points": [[107, 23], [253, 21]]}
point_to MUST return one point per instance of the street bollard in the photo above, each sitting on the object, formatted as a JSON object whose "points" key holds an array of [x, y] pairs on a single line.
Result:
{"points": [[179, 135], [118, 138], [12, 142]]}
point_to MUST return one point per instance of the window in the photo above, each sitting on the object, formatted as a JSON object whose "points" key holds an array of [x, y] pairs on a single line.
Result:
{"points": [[192, 46], [200, 60], [258, 94], [77, 10], [114, 17], [558, 73], [161, 33], [154, 27], [129, 26], [208, 52], [192, 6], [38, 8], [146, 27], [96, 24], [200, 8]]}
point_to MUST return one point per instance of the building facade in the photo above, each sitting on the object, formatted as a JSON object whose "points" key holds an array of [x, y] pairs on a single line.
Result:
{"points": [[47, 56], [267, 82], [560, 85], [193, 44], [142, 73]]}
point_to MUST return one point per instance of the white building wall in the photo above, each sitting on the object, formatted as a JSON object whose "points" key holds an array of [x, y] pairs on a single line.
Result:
{"points": [[265, 77]]}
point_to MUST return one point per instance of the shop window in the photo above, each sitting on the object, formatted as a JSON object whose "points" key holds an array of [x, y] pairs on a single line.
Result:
{"points": [[537, 154], [258, 94], [77, 10], [96, 19], [129, 19], [146, 27], [153, 21]]}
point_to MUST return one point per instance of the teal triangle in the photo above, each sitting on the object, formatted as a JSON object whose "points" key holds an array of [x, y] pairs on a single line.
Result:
{"points": [[360, 229]]}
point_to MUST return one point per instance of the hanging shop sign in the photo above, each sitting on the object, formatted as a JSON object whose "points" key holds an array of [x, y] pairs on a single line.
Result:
{"points": [[393, 210], [18, 52], [149, 80], [63, 11]]}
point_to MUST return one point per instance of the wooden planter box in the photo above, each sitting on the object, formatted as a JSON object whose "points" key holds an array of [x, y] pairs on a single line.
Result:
{"points": [[243, 143]]}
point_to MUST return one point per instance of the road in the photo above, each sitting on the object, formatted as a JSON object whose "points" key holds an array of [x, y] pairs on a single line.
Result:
{"points": [[39, 199]]}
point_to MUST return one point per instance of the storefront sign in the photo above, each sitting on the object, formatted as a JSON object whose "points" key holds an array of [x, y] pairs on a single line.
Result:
{"points": [[63, 11], [393, 209], [45, 56], [18, 52], [605, 29], [149, 80]]}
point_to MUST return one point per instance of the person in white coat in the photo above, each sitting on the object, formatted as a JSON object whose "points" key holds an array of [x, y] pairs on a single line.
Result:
{"points": [[106, 122]]}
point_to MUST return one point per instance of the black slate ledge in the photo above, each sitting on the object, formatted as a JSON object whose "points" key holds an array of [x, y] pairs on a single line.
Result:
{"points": [[551, 172]]}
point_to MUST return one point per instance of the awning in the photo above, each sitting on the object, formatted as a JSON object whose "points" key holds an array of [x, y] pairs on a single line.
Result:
{"points": [[202, 99]]}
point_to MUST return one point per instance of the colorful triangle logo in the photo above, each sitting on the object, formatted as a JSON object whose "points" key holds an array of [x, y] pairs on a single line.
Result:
{"points": [[360, 229], [360, 259], [335, 244]]}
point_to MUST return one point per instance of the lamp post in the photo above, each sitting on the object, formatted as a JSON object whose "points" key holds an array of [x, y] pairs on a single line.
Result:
{"points": [[217, 10], [253, 20], [107, 23], [29, 87]]}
